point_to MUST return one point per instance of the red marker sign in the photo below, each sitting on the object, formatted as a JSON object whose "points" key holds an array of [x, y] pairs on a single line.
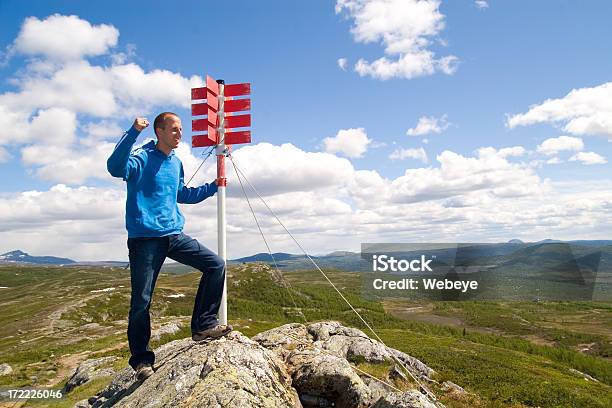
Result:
{"points": [[237, 105], [206, 117], [199, 109], [238, 121], [238, 137], [237, 89], [198, 93], [212, 85], [215, 117]]}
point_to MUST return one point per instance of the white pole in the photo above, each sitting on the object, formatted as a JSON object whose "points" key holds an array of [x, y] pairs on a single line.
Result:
{"points": [[221, 180]]}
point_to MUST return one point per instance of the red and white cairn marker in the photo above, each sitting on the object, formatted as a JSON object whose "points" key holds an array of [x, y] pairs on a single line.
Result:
{"points": [[216, 114]]}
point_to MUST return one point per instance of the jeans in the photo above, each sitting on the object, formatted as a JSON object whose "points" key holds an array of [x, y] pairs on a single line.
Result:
{"points": [[146, 258]]}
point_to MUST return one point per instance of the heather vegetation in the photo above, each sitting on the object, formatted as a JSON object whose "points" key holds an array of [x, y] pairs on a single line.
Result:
{"points": [[548, 354]]}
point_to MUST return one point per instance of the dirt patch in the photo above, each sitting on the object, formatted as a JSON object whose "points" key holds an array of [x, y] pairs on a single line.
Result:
{"points": [[117, 346], [66, 366], [532, 338], [424, 314], [586, 348]]}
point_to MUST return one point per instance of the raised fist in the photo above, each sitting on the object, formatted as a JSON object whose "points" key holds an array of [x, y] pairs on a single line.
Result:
{"points": [[140, 124]]}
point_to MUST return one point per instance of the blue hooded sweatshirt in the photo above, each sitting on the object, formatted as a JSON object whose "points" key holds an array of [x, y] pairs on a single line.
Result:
{"points": [[155, 186]]}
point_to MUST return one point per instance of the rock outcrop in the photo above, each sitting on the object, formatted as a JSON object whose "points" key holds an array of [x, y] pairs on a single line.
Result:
{"points": [[290, 366], [89, 370], [169, 328], [5, 369]]}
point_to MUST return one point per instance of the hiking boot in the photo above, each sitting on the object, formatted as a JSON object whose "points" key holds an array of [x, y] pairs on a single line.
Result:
{"points": [[143, 371], [217, 331]]}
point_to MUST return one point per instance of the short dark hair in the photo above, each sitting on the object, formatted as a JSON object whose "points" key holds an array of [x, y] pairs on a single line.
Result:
{"points": [[161, 119]]}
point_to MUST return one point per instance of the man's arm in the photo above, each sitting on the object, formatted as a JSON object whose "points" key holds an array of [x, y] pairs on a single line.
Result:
{"points": [[119, 163], [194, 195]]}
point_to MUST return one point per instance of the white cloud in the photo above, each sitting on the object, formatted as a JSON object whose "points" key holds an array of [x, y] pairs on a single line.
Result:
{"points": [[406, 29], [142, 90], [555, 145], [588, 158], [429, 124], [342, 63], [59, 204], [481, 4], [407, 66], [115, 91], [293, 169], [65, 105], [102, 130], [401, 154], [16, 121], [47, 126], [377, 144], [457, 175], [514, 151], [554, 160], [68, 164], [351, 143], [119, 58], [64, 37], [75, 85], [584, 111], [89, 220], [484, 197], [55, 126]]}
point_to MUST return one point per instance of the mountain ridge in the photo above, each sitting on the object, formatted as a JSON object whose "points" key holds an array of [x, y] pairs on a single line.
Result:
{"points": [[334, 259], [18, 256]]}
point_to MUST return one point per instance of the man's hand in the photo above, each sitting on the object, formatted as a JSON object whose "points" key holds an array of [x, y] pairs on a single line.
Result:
{"points": [[140, 124]]}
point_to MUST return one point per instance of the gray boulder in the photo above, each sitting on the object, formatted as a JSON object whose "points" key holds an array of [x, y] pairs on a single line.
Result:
{"points": [[169, 328], [408, 399], [285, 339], [349, 343], [451, 387], [318, 358], [228, 372], [88, 370], [290, 366], [377, 388], [328, 377], [5, 369]]}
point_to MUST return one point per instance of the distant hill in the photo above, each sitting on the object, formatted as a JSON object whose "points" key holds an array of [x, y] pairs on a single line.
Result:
{"points": [[342, 253], [515, 241], [591, 243], [512, 254], [23, 257], [344, 260], [265, 257]]}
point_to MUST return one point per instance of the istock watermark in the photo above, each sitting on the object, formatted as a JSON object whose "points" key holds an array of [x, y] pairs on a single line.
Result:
{"points": [[384, 263], [487, 271]]}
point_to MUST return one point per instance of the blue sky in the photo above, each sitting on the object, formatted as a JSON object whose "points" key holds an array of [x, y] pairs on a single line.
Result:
{"points": [[505, 61]]}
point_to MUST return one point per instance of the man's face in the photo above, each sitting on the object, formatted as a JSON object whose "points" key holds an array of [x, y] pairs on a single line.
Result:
{"points": [[170, 135]]}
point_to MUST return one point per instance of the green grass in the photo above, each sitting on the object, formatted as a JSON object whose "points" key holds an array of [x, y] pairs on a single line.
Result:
{"points": [[500, 375], [502, 369], [564, 323], [80, 393]]}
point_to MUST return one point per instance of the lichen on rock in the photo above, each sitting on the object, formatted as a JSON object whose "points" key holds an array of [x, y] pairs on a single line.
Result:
{"points": [[294, 365]]}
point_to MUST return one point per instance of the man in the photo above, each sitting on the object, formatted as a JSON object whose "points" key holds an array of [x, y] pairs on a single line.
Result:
{"points": [[155, 186]]}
